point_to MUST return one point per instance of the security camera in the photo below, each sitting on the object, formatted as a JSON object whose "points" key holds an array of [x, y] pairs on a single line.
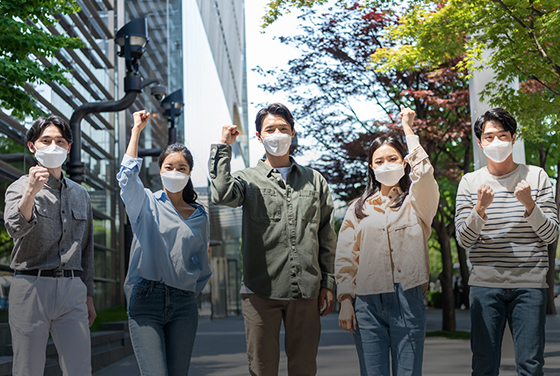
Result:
{"points": [[158, 92]]}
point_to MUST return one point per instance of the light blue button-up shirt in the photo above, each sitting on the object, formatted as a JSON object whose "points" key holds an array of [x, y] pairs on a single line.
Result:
{"points": [[166, 248]]}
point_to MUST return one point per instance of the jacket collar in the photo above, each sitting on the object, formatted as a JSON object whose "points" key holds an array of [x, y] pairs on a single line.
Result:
{"points": [[263, 167]]}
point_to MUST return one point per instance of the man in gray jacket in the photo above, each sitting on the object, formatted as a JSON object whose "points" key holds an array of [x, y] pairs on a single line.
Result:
{"points": [[50, 219]]}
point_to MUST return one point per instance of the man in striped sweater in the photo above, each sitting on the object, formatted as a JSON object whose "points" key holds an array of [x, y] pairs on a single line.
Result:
{"points": [[506, 216]]}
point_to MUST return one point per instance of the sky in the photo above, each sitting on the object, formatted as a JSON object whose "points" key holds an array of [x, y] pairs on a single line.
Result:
{"points": [[264, 51]]}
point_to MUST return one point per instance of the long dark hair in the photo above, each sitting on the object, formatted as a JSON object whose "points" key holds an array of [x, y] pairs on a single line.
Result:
{"points": [[189, 195], [373, 185]]}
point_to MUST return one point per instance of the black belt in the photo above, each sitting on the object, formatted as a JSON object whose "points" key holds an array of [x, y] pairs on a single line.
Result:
{"points": [[51, 272]]}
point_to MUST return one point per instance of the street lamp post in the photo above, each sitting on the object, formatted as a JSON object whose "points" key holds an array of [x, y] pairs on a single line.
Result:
{"points": [[172, 107], [132, 39]]}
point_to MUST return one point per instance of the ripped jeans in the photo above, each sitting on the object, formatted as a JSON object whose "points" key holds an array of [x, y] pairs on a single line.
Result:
{"points": [[392, 323]]}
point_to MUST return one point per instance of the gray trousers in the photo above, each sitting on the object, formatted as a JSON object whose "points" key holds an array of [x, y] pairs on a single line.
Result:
{"points": [[39, 305]]}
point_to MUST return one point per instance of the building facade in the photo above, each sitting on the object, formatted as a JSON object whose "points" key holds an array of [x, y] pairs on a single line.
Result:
{"points": [[194, 45]]}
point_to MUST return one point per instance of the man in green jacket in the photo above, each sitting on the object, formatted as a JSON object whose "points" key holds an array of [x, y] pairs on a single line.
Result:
{"points": [[288, 244]]}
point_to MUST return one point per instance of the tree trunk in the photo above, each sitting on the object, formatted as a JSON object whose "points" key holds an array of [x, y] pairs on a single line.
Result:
{"points": [[447, 296], [464, 274], [446, 276]]}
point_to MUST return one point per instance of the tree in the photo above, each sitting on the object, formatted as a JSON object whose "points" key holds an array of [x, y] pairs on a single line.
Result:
{"points": [[524, 42], [523, 37], [538, 154], [332, 74], [24, 38]]}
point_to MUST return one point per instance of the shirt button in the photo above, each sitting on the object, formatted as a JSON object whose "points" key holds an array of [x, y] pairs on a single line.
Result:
{"points": [[293, 272], [288, 199], [63, 212], [398, 270], [293, 247], [291, 222]]}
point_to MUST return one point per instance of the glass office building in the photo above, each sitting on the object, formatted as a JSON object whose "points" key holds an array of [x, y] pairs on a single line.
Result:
{"points": [[194, 45]]}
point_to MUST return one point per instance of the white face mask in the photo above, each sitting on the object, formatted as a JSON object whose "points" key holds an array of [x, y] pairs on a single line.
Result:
{"points": [[51, 156], [277, 144], [174, 181], [389, 174], [498, 150]]}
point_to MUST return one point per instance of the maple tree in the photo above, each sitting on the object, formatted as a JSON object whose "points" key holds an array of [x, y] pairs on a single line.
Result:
{"points": [[324, 85], [523, 41]]}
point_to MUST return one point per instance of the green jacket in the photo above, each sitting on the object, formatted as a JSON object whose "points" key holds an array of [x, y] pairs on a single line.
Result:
{"points": [[288, 237]]}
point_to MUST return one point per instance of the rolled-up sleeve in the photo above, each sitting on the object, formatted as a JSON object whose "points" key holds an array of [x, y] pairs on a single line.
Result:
{"points": [[133, 193], [16, 225]]}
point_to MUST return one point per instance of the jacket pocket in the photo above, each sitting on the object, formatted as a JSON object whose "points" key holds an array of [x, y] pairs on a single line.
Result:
{"points": [[264, 204], [309, 202], [79, 223]]}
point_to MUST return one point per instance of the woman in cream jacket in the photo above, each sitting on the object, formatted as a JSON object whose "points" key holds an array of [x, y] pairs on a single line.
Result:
{"points": [[382, 261]]}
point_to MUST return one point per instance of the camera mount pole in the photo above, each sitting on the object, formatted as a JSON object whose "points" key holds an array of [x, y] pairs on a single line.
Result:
{"points": [[132, 86]]}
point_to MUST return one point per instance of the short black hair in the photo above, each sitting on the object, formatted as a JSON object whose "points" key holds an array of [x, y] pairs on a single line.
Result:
{"points": [[497, 114], [40, 124], [274, 109]]}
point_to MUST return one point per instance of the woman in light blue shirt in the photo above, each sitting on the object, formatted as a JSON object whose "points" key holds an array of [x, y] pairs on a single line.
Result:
{"points": [[168, 258]]}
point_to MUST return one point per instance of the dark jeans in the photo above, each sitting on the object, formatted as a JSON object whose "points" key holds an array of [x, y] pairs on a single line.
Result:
{"points": [[525, 312]]}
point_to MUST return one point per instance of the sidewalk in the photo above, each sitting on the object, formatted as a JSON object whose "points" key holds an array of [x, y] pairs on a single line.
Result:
{"points": [[220, 350]]}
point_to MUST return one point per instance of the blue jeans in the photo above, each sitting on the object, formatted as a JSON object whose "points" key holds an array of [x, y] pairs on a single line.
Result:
{"points": [[525, 312], [393, 322], [163, 322]]}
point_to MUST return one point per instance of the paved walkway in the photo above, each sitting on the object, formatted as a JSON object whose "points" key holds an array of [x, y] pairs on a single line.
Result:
{"points": [[220, 350]]}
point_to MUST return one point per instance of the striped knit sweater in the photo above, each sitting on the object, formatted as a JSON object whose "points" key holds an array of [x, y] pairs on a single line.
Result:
{"points": [[507, 249]]}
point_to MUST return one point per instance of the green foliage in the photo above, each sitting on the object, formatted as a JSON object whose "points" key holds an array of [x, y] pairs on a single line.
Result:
{"points": [[275, 8], [10, 146], [434, 299], [24, 39], [6, 246], [436, 265], [109, 315], [523, 37]]}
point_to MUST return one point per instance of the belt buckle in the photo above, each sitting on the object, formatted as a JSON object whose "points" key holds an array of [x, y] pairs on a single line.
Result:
{"points": [[57, 273]]}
